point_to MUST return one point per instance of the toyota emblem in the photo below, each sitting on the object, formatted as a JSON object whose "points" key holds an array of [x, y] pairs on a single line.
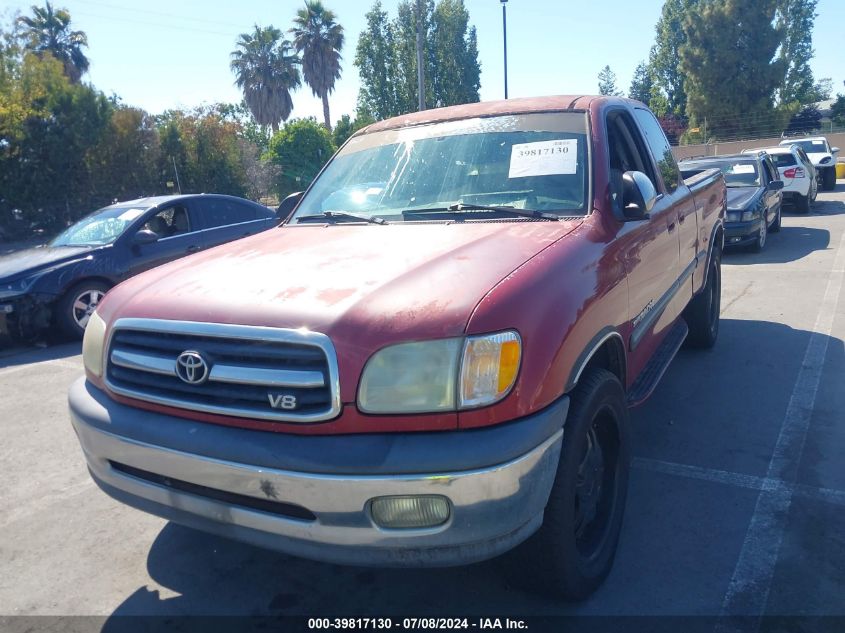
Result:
{"points": [[192, 368]]}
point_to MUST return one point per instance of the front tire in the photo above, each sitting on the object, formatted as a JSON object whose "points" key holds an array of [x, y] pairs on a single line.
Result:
{"points": [[760, 242], [775, 227], [702, 314], [77, 305], [829, 179], [573, 551]]}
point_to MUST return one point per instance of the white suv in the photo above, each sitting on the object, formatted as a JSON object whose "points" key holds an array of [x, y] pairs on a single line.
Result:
{"points": [[823, 157], [797, 173]]}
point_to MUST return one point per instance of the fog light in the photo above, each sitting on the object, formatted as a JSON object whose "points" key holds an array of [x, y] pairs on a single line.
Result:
{"points": [[410, 512]]}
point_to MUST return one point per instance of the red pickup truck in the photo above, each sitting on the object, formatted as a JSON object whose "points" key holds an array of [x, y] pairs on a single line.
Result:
{"points": [[432, 359]]}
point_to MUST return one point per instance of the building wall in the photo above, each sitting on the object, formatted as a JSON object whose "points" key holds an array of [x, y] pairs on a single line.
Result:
{"points": [[734, 147]]}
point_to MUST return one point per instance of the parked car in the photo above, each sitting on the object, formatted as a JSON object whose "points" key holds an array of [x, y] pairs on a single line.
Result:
{"points": [[755, 200], [822, 155], [62, 283], [386, 379], [797, 172]]}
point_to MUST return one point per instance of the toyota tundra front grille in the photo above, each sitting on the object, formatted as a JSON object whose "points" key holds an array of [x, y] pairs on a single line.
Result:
{"points": [[236, 370]]}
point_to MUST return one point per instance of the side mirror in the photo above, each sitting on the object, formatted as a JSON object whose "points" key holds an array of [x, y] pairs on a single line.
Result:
{"points": [[288, 205], [833, 150], [775, 185], [638, 195], [145, 236]]}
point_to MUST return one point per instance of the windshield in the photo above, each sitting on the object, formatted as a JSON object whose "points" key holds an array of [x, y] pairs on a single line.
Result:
{"points": [[812, 147], [534, 162], [101, 227], [738, 173]]}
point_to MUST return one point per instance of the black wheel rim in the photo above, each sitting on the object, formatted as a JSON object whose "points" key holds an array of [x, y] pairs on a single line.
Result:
{"points": [[596, 485]]}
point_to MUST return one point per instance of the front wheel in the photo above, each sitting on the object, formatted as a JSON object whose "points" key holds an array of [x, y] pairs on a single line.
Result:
{"points": [[573, 551], [77, 305], [775, 227], [829, 179], [760, 242]]}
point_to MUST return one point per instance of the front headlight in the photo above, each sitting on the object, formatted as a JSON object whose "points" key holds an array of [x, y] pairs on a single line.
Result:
{"points": [[747, 216], [411, 378], [92, 345], [733, 216], [15, 288], [443, 375], [825, 160]]}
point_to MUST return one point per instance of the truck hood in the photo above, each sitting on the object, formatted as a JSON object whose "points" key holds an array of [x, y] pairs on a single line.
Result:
{"points": [[352, 282], [33, 260]]}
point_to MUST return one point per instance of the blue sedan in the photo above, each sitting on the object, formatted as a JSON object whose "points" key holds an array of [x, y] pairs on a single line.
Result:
{"points": [[61, 283]]}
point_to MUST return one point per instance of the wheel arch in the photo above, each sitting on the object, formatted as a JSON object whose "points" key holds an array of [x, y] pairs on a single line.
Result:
{"points": [[605, 350]]}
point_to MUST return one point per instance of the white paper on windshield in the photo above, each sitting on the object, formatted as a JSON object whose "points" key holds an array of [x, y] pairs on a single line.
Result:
{"points": [[818, 142], [544, 158], [742, 169], [130, 214]]}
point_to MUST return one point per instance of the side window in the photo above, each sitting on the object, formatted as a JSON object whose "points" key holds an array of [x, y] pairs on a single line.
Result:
{"points": [[169, 221], [660, 149], [767, 168], [627, 152], [219, 212]]}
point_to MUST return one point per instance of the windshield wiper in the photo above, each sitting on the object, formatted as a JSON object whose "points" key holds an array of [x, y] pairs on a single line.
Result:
{"points": [[329, 215], [461, 207]]}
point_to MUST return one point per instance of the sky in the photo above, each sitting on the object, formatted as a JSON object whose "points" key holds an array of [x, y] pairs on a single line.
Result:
{"points": [[164, 54]]}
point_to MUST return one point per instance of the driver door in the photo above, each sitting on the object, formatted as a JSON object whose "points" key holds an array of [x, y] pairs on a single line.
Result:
{"points": [[178, 236]]}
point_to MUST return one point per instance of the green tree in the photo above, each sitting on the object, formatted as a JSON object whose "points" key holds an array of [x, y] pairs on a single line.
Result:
{"points": [[48, 31], [347, 126], [837, 110], [607, 83], [741, 36], [642, 83], [300, 149], [267, 71], [124, 162], [319, 39], [376, 62], [664, 58], [795, 20], [457, 72]]}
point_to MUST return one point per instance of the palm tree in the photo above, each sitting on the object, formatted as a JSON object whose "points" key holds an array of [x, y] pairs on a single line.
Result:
{"points": [[266, 69], [48, 31], [319, 38]]}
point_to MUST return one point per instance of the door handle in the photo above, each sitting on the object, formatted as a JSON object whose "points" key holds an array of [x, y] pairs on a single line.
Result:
{"points": [[193, 249], [670, 227], [681, 218]]}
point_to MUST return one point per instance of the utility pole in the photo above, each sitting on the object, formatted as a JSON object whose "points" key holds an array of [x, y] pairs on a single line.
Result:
{"points": [[176, 171], [420, 69], [505, 39]]}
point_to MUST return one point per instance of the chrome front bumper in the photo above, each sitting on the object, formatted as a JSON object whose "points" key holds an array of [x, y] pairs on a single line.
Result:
{"points": [[493, 508]]}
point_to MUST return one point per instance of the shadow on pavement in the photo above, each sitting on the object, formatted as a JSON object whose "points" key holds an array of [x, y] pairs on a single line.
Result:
{"points": [[721, 409], [13, 356], [791, 244]]}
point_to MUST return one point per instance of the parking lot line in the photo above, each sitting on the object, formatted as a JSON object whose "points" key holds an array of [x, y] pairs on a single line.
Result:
{"points": [[752, 482], [750, 584]]}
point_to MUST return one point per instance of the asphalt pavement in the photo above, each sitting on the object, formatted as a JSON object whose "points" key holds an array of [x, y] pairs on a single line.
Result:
{"points": [[736, 504]]}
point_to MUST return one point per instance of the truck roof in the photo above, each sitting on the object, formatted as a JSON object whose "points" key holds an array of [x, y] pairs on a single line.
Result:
{"points": [[491, 108]]}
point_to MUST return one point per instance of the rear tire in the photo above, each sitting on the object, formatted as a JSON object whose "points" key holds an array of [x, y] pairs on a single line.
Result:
{"points": [[573, 551], [77, 305], [829, 179], [702, 314]]}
